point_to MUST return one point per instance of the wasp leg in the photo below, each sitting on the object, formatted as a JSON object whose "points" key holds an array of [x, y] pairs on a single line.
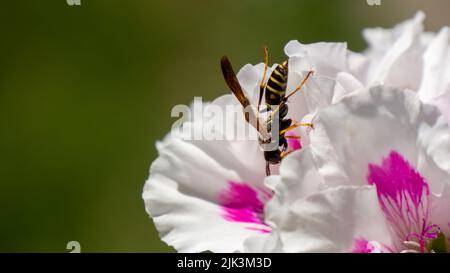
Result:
{"points": [[267, 168], [262, 85], [295, 125], [283, 144], [302, 83], [294, 137], [284, 154]]}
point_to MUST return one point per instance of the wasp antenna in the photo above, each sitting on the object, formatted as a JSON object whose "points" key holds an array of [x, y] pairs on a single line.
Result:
{"points": [[266, 65], [262, 85]]}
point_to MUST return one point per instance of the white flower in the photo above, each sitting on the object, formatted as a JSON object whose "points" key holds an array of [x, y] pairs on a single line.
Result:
{"points": [[209, 194], [375, 178]]}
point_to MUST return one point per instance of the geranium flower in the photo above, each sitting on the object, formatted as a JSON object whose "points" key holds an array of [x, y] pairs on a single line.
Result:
{"points": [[208, 194], [375, 178]]}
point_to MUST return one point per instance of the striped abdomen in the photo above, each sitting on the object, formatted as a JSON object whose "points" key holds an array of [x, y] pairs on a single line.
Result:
{"points": [[276, 85]]}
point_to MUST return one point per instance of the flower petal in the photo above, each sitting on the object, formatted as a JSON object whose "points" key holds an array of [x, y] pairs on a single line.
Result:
{"points": [[332, 220], [440, 209], [436, 74], [364, 127], [327, 58], [192, 183], [403, 195], [399, 65]]}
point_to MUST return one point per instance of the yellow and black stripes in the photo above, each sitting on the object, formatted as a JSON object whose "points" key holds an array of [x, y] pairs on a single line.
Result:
{"points": [[276, 85]]}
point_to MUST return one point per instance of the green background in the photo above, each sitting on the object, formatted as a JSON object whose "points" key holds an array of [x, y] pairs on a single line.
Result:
{"points": [[85, 91]]}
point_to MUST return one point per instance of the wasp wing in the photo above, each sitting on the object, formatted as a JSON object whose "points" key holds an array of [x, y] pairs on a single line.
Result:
{"points": [[232, 82], [249, 110]]}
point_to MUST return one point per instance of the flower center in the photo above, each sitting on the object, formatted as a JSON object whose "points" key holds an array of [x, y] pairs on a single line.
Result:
{"points": [[429, 233]]}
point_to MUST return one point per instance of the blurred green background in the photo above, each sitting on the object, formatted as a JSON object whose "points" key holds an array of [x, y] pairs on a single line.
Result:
{"points": [[85, 91]]}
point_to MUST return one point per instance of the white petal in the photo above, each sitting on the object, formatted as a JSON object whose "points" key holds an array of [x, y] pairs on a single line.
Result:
{"points": [[268, 244], [328, 58], [331, 221], [182, 197], [443, 102], [346, 84], [358, 65], [249, 77], [305, 131], [436, 79], [400, 65], [434, 161], [298, 179], [380, 40], [182, 194], [440, 209], [317, 93], [365, 127]]}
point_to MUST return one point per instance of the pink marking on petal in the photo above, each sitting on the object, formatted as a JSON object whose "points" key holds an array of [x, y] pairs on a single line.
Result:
{"points": [[293, 143], [242, 203], [262, 230], [402, 193], [362, 245]]}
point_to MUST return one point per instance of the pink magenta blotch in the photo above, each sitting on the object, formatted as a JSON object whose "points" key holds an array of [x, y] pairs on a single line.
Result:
{"points": [[403, 197], [242, 203], [361, 245], [293, 143]]}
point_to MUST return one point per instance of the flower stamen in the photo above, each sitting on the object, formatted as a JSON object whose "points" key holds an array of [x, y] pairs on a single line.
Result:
{"points": [[429, 232]]}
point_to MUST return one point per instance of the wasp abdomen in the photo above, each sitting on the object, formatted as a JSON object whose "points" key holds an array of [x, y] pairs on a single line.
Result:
{"points": [[276, 85]]}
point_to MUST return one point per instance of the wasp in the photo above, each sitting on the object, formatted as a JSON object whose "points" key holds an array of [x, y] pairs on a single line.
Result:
{"points": [[274, 92]]}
